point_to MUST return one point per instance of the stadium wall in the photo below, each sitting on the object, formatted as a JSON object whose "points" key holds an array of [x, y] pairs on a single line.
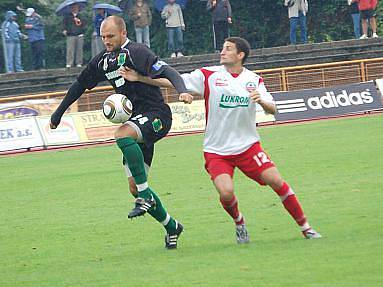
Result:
{"points": [[89, 127]]}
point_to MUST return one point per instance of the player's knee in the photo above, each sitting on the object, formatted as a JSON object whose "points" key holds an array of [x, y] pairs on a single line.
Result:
{"points": [[125, 131], [118, 133], [272, 178], [226, 193], [276, 183]]}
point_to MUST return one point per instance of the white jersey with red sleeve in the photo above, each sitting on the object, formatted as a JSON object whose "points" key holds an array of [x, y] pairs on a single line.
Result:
{"points": [[230, 113]]}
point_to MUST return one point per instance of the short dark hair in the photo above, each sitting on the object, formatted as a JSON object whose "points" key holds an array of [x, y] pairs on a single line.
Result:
{"points": [[241, 44]]}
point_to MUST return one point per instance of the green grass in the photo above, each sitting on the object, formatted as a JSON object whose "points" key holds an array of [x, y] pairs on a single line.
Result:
{"points": [[63, 215]]}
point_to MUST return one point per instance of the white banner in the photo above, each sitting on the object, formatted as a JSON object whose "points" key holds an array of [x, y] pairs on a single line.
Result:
{"points": [[66, 132], [19, 134], [379, 83]]}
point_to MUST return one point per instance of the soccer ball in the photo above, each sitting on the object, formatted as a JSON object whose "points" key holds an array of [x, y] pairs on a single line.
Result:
{"points": [[117, 108]]}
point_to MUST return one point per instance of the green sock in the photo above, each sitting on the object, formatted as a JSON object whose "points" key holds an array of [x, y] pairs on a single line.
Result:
{"points": [[159, 213], [135, 159]]}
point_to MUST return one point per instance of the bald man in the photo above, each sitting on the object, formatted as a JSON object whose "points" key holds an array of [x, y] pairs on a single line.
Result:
{"points": [[151, 119]]}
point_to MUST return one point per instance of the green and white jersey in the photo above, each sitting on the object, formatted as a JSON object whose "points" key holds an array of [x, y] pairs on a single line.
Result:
{"points": [[230, 113]]}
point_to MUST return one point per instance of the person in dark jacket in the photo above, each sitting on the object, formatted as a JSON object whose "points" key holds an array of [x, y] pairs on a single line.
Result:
{"points": [[74, 28], [97, 44], [11, 35], [221, 16], [35, 31]]}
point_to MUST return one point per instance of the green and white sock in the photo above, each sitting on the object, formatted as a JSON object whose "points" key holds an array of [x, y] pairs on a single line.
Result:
{"points": [[160, 214], [135, 160]]}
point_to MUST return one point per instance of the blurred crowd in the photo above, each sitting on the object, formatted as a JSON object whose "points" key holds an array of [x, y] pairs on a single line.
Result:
{"points": [[363, 15]]}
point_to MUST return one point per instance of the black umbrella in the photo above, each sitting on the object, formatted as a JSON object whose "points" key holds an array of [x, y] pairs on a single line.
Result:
{"points": [[65, 7]]}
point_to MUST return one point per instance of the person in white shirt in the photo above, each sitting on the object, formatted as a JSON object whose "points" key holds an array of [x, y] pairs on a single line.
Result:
{"points": [[231, 93], [297, 10], [175, 25]]}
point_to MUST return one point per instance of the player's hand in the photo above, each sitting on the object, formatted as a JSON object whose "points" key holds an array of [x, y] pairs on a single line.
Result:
{"points": [[255, 96], [229, 20], [186, 98], [129, 74], [55, 121]]}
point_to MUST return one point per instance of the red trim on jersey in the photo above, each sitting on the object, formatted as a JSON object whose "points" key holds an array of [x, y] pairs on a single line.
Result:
{"points": [[260, 81], [234, 75], [206, 94]]}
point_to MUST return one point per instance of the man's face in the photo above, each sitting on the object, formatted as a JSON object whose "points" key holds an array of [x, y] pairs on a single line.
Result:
{"points": [[112, 37], [75, 8], [230, 55]]}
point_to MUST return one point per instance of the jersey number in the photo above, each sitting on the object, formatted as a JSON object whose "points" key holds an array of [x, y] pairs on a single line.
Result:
{"points": [[261, 158], [140, 119]]}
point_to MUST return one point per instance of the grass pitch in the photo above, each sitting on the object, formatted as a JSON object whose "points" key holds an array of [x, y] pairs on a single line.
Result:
{"points": [[63, 215]]}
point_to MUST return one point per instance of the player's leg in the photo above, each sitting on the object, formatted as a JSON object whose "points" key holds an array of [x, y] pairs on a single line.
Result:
{"points": [[159, 212], [272, 178], [126, 139], [148, 128], [256, 164], [221, 172]]}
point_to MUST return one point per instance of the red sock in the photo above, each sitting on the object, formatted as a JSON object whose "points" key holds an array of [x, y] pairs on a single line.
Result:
{"points": [[291, 204], [231, 208]]}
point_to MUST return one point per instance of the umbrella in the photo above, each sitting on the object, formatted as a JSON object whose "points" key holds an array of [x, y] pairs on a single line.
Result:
{"points": [[159, 4], [109, 9], [125, 4], [64, 7]]}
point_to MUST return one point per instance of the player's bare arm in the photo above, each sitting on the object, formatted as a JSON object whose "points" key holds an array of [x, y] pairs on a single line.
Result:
{"points": [[267, 107], [133, 76]]}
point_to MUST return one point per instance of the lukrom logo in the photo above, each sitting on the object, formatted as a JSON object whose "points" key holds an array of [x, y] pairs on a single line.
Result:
{"points": [[330, 100]]}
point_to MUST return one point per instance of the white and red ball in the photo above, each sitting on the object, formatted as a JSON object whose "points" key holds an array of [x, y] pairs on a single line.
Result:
{"points": [[117, 108]]}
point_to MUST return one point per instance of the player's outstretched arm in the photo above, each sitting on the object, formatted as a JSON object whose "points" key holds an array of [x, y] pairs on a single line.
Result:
{"points": [[132, 76], [172, 79], [268, 107], [74, 92]]}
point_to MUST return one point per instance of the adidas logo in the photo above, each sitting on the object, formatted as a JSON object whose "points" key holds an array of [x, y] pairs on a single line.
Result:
{"points": [[328, 101]]}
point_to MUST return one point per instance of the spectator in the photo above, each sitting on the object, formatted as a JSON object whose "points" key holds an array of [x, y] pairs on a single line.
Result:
{"points": [[354, 11], [12, 36], [174, 25], [98, 45], [74, 31], [297, 14], [367, 10], [221, 16], [142, 18], [35, 31]]}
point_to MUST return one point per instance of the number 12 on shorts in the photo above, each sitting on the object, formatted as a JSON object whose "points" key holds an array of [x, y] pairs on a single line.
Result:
{"points": [[261, 158]]}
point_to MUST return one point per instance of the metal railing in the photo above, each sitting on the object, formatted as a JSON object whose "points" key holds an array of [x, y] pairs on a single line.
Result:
{"points": [[279, 79]]}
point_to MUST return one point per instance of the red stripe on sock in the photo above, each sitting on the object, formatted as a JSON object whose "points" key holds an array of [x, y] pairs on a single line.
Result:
{"points": [[283, 190], [231, 208], [292, 205]]}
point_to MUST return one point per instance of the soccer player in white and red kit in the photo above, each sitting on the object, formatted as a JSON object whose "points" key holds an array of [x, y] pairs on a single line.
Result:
{"points": [[231, 141]]}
